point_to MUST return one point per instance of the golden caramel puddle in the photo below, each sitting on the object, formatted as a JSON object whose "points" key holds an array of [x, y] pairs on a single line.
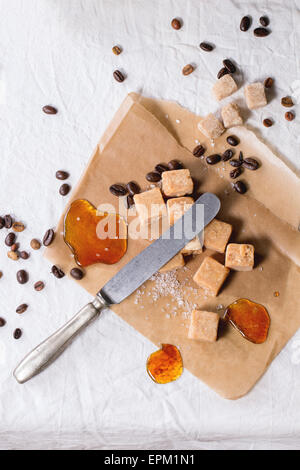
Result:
{"points": [[84, 232], [250, 319], [165, 365]]}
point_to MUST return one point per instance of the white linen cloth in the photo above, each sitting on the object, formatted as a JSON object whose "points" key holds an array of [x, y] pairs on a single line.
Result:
{"points": [[98, 395]]}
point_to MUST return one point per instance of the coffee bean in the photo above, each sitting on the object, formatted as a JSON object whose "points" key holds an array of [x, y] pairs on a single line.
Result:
{"points": [[235, 163], [206, 47], [241, 157], [161, 168], [175, 165], [198, 151], [245, 23], [267, 123], [269, 82], [117, 50], [251, 164], [22, 309], [175, 23], [18, 227], [15, 247], [50, 110], [22, 277], [187, 69], [2, 322], [64, 189], [289, 116], [10, 239], [8, 221], [35, 244], [24, 255], [1, 274], [2, 223], [57, 272], [48, 237], [129, 201], [133, 188], [227, 155], [62, 175], [240, 187], [13, 255], [287, 102], [39, 286], [77, 274], [229, 66], [261, 32], [222, 72], [233, 141], [118, 190], [118, 76], [264, 21], [213, 159], [17, 333], [235, 173], [153, 177]]}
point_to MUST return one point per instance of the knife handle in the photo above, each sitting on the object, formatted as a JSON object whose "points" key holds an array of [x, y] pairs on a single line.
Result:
{"points": [[44, 354]]}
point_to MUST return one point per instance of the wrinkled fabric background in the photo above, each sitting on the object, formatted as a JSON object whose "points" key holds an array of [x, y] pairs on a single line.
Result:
{"points": [[58, 52]]}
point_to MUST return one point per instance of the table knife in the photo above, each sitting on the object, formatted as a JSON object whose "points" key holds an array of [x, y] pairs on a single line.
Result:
{"points": [[123, 284]]}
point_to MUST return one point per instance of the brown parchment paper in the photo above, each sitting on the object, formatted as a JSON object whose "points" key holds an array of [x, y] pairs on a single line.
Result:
{"points": [[145, 132]]}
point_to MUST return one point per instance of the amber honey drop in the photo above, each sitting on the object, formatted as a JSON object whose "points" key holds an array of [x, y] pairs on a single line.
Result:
{"points": [[250, 319], [165, 365], [82, 227]]}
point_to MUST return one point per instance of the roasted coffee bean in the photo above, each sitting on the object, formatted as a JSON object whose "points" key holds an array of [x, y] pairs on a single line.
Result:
{"points": [[235, 163], [261, 32], [250, 164], [1, 274], [48, 237], [10, 239], [39, 286], [118, 76], [153, 177], [133, 188], [117, 50], [22, 277], [229, 66], [35, 244], [241, 157], [8, 221], [161, 168], [227, 155], [213, 159], [264, 21], [22, 309], [15, 247], [235, 173], [222, 72], [206, 47], [50, 110], [62, 175], [77, 274], [18, 227], [17, 333], [198, 151], [24, 255], [267, 122], [2, 322], [240, 187], [176, 23], [57, 272], [129, 201], [269, 82], [13, 255], [118, 190], [64, 189], [233, 141], [287, 102], [2, 223], [245, 23], [175, 165], [289, 116], [187, 69]]}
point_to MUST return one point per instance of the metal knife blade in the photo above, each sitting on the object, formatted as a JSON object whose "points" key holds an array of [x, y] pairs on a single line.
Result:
{"points": [[150, 260]]}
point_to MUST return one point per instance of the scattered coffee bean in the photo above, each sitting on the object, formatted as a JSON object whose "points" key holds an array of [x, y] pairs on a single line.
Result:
{"points": [[13, 255], [57, 272], [227, 155], [241, 157], [240, 187], [289, 116], [2, 322], [48, 237], [153, 177], [129, 201], [222, 72], [1, 274], [229, 66], [24, 255], [198, 151], [245, 23], [10, 239], [35, 244], [175, 165], [62, 175], [161, 168], [269, 82], [17, 333], [22, 277], [267, 122], [15, 247], [50, 110], [213, 159], [206, 47], [18, 227], [176, 23], [39, 286], [261, 32], [287, 102], [117, 50], [77, 274], [2, 223], [235, 173], [8, 221], [264, 21], [118, 76], [133, 188], [250, 164], [233, 141], [187, 69], [118, 190], [235, 163], [22, 309], [64, 189]]}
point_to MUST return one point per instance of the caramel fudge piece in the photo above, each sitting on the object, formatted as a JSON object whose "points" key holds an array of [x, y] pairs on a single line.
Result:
{"points": [[175, 263], [177, 183], [255, 95], [231, 115], [150, 205], [204, 326], [211, 275], [216, 235], [224, 87], [194, 247], [176, 208], [240, 257], [211, 127]]}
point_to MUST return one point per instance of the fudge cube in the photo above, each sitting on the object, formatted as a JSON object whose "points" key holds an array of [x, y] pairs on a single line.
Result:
{"points": [[176, 208], [150, 205], [224, 87], [211, 275], [194, 247], [231, 115], [240, 257], [177, 183], [216, 235], [211, 127], [204, 326], [255, 95], [175, 263]]}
